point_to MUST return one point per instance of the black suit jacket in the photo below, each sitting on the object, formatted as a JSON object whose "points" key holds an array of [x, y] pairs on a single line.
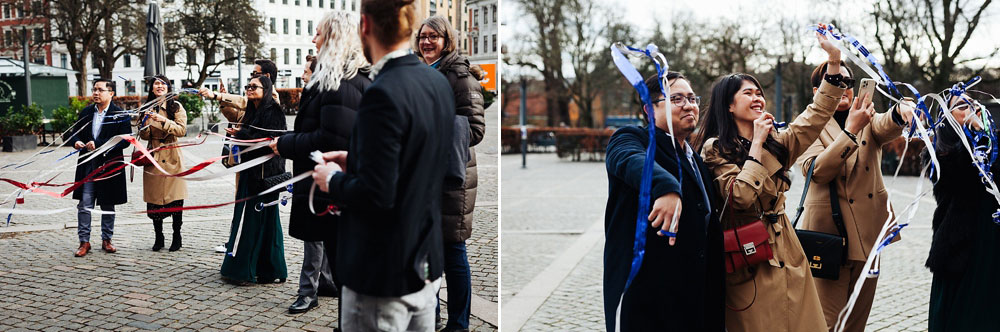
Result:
{"points": [[389, 241], [680, 287], [112, 190]]}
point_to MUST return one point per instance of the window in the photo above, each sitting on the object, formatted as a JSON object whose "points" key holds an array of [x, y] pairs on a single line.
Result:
{"points": [[310, 51], [274, 54], [272, 1], [486, 15], [486, 41], [191, 56], [433, 10], [298, 27], [286, 56], [171, 59], [63, 60], [320, 3], [298, 56], [475, 45], [274, 25], [494, 42], [310, 28], [230, 55], [297, 2], [494, 13], [38, 35], [128, 60], [36, 8], [8, 38], [298, 82], [285, 23], [284, 2], [343, 4], [309, 3], [475, 18], [39, 59], [6, 11]]}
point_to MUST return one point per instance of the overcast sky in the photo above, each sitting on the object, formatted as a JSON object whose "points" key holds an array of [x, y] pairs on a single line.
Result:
{"points": [[641, 13]]}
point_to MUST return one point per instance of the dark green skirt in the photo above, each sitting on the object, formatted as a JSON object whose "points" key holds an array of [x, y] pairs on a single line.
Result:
{"points": [[968, 301], [260, 255]]}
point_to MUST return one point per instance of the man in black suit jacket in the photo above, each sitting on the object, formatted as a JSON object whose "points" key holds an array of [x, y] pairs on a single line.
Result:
{"points": [[680, 284], [389, 247], [99, 123]]}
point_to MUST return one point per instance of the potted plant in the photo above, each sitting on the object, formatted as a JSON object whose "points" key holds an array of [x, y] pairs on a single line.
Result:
{"points": [[18, 127], [64, 117], [192, 106]]}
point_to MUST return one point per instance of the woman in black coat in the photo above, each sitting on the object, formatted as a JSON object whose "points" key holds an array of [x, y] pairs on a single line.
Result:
{"points": [[255, 249], [966, 243], [324, 122]]}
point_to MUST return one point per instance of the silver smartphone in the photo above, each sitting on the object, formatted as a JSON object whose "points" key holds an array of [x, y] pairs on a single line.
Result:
{"points": [[867, 86]]}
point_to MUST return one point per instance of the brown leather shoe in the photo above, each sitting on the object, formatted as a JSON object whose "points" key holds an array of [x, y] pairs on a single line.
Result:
{"points": [[108, 248], [83, 250]]}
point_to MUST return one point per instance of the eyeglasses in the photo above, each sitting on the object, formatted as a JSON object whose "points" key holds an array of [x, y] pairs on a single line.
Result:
{"points": [[99, 90], [430, 38], [848, 81], [252, 87], [680, 101], [255, 74]]}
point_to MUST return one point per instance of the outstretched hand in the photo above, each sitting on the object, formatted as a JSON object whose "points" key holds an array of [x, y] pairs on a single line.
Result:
{"points": [[832, 52]]}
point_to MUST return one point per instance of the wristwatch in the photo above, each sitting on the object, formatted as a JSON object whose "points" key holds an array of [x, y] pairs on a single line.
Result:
{"points": [[851, 136]]}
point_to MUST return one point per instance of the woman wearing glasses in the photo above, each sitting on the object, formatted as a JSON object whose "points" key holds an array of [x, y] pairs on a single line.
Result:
{"points": [[437, 46], [966, 241], [165, 122], [750, 163], [679, 286], [255, 251]]}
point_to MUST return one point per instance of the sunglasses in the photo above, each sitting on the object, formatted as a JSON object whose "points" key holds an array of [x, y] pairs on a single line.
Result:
{"points": [[252, 87], [255, 74]]}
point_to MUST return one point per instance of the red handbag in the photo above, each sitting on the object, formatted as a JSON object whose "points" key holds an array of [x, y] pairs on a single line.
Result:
{"points": [[745, 245], [139, 159]]}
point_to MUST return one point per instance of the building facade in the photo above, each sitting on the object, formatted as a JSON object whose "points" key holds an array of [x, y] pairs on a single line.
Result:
{"points": [[484, 39], [15, 20]]}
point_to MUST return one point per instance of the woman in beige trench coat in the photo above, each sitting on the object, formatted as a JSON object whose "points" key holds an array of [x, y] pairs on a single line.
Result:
{"points": [[744, 152], [162, 126]]}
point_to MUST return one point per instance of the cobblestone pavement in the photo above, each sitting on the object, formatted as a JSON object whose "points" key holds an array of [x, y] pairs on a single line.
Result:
{"points": [[46, 288], [550, 206]]}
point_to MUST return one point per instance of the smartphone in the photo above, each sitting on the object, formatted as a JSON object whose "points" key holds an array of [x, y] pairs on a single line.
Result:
{"points": [[867, 86]]}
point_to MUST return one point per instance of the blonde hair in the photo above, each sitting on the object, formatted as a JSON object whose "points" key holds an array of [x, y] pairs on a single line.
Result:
{"points": [[340, 57]]}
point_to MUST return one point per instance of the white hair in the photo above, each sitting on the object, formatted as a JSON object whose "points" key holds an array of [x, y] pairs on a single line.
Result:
{"points": [[340, 57]]}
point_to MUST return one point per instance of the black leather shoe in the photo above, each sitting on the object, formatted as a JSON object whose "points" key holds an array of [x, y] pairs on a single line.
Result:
{"points": [[302, 304]]}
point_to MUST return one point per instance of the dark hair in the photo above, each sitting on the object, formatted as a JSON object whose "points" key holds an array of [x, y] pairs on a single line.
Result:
{"points": [[392, 20], [653, 85], [172, 105], [109, 83], [265, 100], [267, 67], [817, 75], [721, 124], [312, 63]]}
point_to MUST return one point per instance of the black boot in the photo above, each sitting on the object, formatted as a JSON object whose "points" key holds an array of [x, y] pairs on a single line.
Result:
{"points": [[176, 243], [158, 228]]}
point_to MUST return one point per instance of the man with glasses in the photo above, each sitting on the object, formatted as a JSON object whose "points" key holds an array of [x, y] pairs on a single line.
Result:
{"points": [[100, 122], [233, 106]]}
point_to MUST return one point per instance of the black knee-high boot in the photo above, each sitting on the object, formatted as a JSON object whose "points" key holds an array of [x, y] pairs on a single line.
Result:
{"points": [[158, 228], [176, 243]]}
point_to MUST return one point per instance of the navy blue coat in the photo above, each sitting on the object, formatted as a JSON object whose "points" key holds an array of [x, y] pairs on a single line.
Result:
{"points": [[389, 237], [680, 287], [112, 190]]}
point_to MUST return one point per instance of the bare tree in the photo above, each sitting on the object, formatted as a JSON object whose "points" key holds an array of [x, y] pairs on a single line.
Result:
{"points": [[76, 25], [124, 32], [546, 53], [209, 27]]}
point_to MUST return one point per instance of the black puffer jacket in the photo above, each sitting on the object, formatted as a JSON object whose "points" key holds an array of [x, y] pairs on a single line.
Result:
{"points": [[457, 203], [324, 123]]}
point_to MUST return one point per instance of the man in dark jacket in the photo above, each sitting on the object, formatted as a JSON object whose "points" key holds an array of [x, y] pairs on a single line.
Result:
{"points": [[389, 253], [101, 121], [680, 284]]}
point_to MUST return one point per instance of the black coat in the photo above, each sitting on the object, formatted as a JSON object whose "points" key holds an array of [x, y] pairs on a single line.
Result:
{"points": [[323, 123], [962, 201], [270, 117], [111, 190], [458, 203], [389, 241], [680, 287]]}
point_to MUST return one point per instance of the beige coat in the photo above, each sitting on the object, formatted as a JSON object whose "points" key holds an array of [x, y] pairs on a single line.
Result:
{"points": [[786, 298], [855, 168], [159, 189]]}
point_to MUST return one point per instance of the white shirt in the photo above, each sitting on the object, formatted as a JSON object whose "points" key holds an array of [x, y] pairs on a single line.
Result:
{"points": [[99, 119], [392, 55]]}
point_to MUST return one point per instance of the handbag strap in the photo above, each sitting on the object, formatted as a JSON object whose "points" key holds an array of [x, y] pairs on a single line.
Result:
{"points": [[802, 201], [838, 217]]}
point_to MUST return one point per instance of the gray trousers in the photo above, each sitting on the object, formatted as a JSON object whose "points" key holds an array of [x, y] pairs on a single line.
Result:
{"points": [[315, 270], [83, 215], [410, 312]]}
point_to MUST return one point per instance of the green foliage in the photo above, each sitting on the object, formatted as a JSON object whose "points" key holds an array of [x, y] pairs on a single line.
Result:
{"points": [[23, 121], [64, 117], [488, 98], [192, 105]]}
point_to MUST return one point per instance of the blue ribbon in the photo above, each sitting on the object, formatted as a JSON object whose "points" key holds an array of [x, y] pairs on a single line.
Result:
{"points": [[637, 82]]}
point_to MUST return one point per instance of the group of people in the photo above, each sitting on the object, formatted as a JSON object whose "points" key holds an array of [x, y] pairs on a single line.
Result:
{"points": [[396, 183], [734, 171]]}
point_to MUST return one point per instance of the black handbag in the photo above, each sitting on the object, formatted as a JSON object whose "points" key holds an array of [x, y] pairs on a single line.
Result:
{"points": [[274, 180], [826, 252]]}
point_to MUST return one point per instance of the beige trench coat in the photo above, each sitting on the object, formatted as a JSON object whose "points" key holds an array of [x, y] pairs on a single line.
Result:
{"points": [[855, 168], [158, 189], [786, 299], [233, 106]]}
